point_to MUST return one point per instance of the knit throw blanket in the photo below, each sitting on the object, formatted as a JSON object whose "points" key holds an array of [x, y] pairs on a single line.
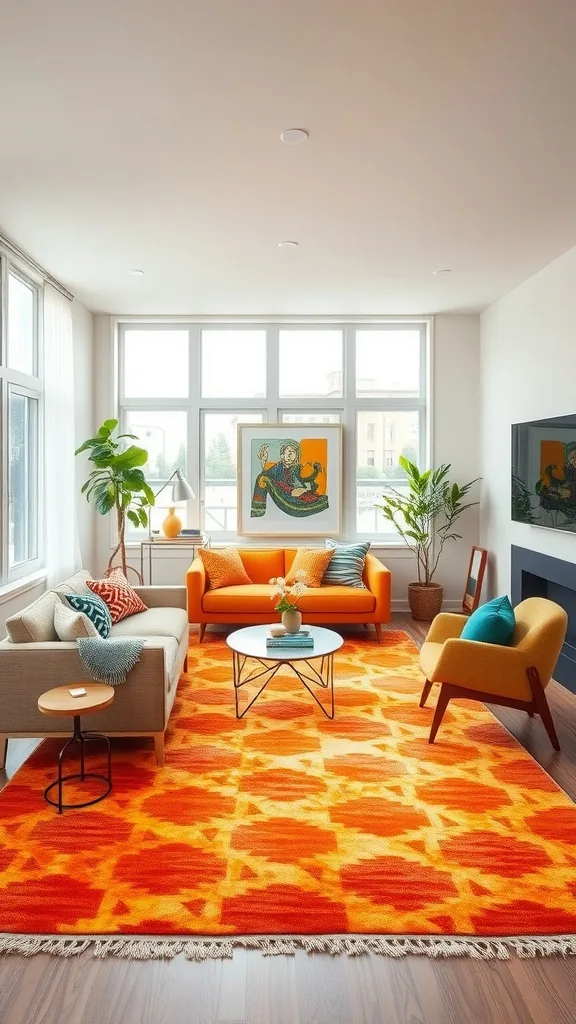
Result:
{"points": [[110, 660]]}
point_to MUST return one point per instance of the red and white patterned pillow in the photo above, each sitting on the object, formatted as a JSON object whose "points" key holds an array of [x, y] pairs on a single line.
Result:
{"points": [[116, 592]]}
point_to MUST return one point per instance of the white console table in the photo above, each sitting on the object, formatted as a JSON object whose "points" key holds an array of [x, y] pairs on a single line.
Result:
{"points": [[192, 544]]}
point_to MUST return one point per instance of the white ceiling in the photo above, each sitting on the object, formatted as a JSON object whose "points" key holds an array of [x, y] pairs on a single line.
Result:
{"points": [[145, 133]]}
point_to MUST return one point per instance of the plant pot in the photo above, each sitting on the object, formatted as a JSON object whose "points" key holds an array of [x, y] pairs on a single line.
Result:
{"points": [[172, 524], [292, 620], [425, 600]]}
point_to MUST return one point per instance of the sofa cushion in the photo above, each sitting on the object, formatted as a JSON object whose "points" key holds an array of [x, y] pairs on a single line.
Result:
{"points": [[337, 599], [256, 597], [70, 625], [491, 623], [121, 598], [346, 566], [153, 622], [263, 565], [95, 608], [75, 584], [223, 568], [35, 623], [309, 566]]}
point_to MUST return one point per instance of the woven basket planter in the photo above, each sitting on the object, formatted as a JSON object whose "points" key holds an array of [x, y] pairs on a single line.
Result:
{"points": [[425, 600]]}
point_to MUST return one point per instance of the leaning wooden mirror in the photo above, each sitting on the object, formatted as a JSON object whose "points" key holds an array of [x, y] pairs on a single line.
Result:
{"points": [[474, 579]]}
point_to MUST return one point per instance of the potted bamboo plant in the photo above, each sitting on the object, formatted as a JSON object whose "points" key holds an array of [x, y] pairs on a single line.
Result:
{"points": [[425, 518]]}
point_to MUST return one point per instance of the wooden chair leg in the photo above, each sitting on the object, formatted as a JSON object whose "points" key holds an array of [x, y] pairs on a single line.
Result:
{"points": [[542, 706], [378, 628], [185, 665], [443, 699], [201, 631], [159, 748], [425, 693], [3, 751]]}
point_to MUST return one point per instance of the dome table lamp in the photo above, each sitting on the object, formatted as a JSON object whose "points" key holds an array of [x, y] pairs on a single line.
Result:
{"points": [[181, 491]]}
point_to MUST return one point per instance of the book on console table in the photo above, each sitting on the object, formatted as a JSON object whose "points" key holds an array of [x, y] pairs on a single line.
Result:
{"points": [[196, 539]]}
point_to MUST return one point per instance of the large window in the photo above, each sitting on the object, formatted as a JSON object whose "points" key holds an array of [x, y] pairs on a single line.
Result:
{"points": [[185, 387], [20, 393]]}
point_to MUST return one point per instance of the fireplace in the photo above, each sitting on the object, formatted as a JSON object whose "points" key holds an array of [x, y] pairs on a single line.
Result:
{"points": [[538, 575]]}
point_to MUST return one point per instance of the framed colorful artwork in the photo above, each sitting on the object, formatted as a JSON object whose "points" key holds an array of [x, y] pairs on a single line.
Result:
{"points": [[289, 479], [474, 580]]}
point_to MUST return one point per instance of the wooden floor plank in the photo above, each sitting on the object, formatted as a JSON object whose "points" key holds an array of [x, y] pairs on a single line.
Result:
{"points": [[271, 996], [322, 990], [256, 989], [396, 991]]}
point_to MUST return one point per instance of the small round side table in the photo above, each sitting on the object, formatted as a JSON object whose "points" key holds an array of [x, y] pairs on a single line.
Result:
{"points": [[59, 703]]}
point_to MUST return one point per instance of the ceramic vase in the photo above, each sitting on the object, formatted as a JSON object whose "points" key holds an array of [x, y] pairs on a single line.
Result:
{"points": [[292, 620], [172, 524]]}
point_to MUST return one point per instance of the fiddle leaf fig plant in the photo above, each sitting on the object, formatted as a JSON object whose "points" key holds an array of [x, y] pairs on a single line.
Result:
{"points": [[118, 482]]}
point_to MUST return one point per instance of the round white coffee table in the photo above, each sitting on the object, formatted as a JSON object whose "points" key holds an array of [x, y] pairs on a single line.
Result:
{"points": [[250, 645]]}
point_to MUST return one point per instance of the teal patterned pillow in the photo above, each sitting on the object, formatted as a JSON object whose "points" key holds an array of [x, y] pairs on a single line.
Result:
{"points": [[346, 566], [95, 608]]}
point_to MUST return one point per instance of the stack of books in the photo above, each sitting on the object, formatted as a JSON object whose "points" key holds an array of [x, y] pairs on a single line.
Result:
{"points": [[277, 636]]}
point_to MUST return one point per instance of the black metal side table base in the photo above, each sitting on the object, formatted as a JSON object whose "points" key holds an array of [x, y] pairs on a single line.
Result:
{"points": [[81, 738]]}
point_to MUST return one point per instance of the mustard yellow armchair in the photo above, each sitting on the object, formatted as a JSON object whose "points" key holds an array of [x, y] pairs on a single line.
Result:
{"points": [[514, 676]]}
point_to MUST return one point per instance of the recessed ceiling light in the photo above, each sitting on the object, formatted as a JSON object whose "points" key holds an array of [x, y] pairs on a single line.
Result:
{"points": [[136, 273], [288, 244], [443, 270], [294, 136]]}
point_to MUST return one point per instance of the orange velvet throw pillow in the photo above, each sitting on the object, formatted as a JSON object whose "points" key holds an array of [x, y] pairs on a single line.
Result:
{"points": [[116, 592], [224, 568], [313, 562]]}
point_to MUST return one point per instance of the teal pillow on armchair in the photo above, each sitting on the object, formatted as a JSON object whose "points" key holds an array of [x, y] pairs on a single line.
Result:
{"points": [[492, 623]]}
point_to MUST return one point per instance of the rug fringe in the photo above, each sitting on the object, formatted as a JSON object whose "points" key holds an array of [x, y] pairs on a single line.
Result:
{"points": [[222, 948]]}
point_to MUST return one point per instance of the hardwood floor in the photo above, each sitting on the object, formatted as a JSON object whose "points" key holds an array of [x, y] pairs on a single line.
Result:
{"points": [[253, 989]]}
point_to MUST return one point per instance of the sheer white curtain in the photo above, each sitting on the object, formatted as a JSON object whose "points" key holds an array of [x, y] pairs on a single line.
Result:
{"points": [[61, 530]]}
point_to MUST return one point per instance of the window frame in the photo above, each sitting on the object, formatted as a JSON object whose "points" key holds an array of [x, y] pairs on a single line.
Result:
{"points": [[273, 405], [30, 386]]}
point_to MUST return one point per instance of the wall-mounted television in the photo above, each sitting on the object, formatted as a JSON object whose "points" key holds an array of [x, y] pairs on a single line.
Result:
{"points": [[544, 473]]}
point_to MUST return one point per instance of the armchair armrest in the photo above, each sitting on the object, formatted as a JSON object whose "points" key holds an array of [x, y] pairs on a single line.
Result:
{"points": [[378, 579], [445, 626], [196, 583], [162, 597], [490, 668]]}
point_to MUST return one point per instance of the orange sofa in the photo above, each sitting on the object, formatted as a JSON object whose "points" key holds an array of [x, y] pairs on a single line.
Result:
{"points": [[252, 604]]}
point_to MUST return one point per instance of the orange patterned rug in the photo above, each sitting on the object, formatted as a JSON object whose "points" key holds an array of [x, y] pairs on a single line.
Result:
{"points": [[345, 835]]}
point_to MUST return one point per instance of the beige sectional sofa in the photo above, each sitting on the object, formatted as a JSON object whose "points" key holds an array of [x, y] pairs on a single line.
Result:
{"points": [[33, 659]]}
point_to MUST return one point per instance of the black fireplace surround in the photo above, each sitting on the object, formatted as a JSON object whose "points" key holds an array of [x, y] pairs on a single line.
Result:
{"points": [[537, 575]]}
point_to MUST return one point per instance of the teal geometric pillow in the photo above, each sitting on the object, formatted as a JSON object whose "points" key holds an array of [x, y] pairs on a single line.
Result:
{"points": [[492, 623], [95, 608], [346, 566]]}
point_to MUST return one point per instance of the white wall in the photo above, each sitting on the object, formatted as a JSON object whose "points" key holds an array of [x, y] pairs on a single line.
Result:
{"points": [[455, 431], [528, 371], [456, 434], [84, 422]]}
